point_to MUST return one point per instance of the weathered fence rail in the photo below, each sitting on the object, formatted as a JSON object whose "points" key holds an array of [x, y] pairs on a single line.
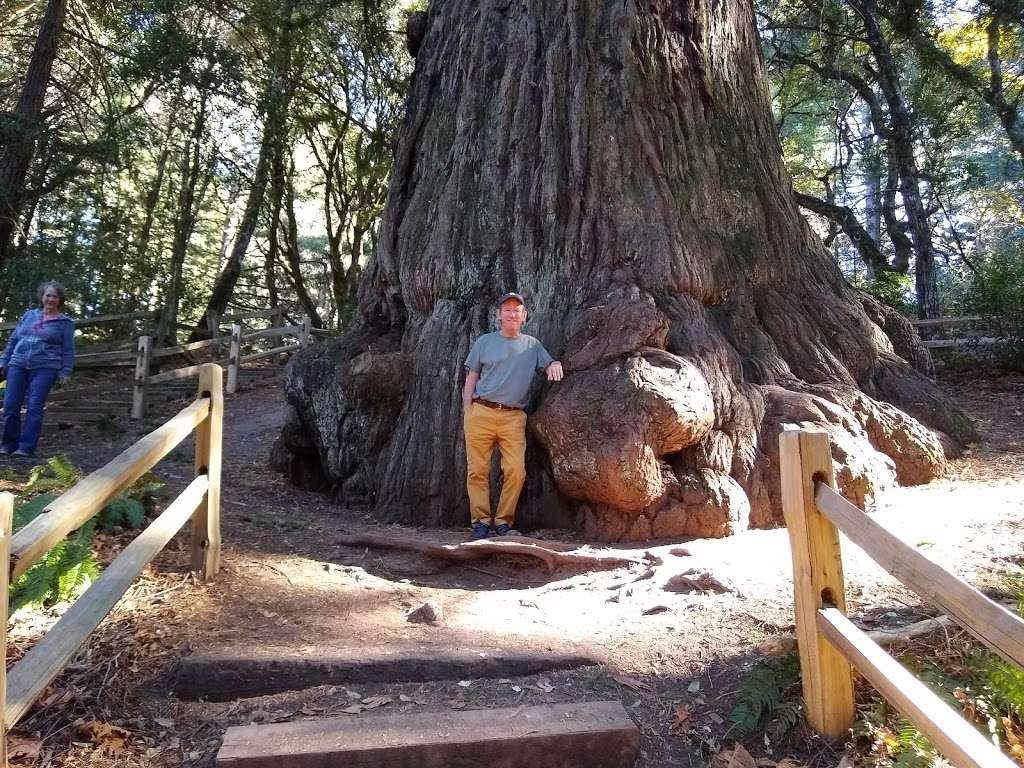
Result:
{"points": [[199, 502], [145, 354], [959, 339], [829, 643]]}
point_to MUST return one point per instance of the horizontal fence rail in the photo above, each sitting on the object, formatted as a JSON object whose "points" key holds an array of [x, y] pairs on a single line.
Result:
{"points": [[831, 646], [199, 502], [85, 322], [145, 354]]}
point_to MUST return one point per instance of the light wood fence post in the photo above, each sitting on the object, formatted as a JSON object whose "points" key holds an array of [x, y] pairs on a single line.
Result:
{"points": [[234, 358], [142, 360], [206, 520], [306, 337], [827, 676], [6, 519], [213, 325]]}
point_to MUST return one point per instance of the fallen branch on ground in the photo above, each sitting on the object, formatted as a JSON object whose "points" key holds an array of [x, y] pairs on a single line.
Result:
{"points": [[782, 644], [477, 550]]}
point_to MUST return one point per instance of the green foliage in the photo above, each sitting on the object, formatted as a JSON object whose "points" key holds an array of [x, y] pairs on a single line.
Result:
{"points": [[972, 680], [62, 574], [770, 692], [68, 569], [122, 512], [891, 288], [996, 292]]}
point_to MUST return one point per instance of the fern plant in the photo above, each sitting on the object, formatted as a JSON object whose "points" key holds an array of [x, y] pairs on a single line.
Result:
{"points": [[770, 692], [68, 569]]}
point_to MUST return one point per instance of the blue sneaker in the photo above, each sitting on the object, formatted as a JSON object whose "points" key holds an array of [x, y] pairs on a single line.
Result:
{"points": [[480, 531], [505, 530]]}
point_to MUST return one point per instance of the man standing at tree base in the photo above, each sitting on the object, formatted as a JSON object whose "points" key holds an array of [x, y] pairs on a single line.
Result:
{"points": [[499, 370]]}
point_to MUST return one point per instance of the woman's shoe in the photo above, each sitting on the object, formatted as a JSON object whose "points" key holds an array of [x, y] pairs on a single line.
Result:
{"points": [[22, 454], [5, 451]]}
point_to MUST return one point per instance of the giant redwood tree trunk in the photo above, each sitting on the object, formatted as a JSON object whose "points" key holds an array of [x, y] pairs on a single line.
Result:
{"points": [[616, 163]]}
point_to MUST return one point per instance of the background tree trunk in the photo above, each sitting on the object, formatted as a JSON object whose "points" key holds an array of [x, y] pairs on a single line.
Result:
{"points": [[617, 164], [16, 156]]}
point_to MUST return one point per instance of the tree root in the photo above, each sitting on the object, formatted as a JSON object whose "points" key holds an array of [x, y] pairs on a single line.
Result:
{"points": [[783, 644], [549, 554]]}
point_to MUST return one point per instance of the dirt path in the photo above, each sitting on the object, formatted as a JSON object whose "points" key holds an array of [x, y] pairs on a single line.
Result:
{"points": [[287, 588]]}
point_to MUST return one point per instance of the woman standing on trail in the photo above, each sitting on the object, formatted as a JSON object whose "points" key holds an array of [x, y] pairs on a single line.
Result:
{"points": [[41, 349]]}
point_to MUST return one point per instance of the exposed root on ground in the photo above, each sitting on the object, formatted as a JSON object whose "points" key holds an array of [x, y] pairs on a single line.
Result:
{"points": [[550, 553]]}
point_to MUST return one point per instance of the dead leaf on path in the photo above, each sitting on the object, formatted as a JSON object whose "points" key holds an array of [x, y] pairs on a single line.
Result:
{"points": [[54, 697], [108, 738], [1014, 740], [545, 686], [631, 682], [737, 757], [354, 709], [788, 762], [410, 699], [682, 718], [372, 702], [23, 748]]}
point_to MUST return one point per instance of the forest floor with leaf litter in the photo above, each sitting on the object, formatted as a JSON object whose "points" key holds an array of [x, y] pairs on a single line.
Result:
{"points": [[672, 640]]}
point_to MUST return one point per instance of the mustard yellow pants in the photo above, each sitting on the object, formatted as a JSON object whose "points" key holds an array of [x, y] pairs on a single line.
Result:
{"points": [[486, 427]]}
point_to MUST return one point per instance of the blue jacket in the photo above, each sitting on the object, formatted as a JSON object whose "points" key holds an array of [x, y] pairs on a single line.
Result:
{"points": [[38, 344]]}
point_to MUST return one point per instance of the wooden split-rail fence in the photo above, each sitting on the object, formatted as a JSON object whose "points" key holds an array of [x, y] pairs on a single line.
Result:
{"points": [[966, 331], [236, 342], [831, 646], [233, 349], [22, 685]]}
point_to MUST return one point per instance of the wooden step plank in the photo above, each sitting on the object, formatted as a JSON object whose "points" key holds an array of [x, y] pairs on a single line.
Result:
{"points": [[597, 734], [224, 676]]}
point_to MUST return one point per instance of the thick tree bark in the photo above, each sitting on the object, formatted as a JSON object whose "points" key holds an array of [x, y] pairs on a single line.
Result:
{"points": [[16, 156], [617, 164]]}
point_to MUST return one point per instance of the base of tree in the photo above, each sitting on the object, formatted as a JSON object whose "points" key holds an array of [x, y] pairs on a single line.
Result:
{"points": [[628, 182]]}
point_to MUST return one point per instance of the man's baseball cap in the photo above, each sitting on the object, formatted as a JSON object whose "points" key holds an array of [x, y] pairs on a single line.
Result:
{"points": [[512, 295]]}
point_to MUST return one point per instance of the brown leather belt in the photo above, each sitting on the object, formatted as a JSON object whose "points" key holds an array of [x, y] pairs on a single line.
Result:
{"points": [[497, 406]]}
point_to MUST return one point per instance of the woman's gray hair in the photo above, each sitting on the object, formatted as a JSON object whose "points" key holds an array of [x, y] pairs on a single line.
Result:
{"points": [[62, 293]]}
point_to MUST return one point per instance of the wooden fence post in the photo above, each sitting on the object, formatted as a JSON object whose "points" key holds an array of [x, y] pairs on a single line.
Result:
{"points": [[206, 520], [142, 359], [827, 676], [234, 357], [6, 519], [278, 319], [306, 337], [213, 325]]}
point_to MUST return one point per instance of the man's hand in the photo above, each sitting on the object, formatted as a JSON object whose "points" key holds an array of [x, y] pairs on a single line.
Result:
{"points": [[63, 380], [554, 371]]}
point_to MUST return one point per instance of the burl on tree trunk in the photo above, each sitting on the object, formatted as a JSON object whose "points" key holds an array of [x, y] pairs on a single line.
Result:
{"points": [[616, 163]]}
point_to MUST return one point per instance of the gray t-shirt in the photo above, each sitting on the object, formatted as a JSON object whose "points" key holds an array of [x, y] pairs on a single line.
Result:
{"points": [[506, 367]]}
